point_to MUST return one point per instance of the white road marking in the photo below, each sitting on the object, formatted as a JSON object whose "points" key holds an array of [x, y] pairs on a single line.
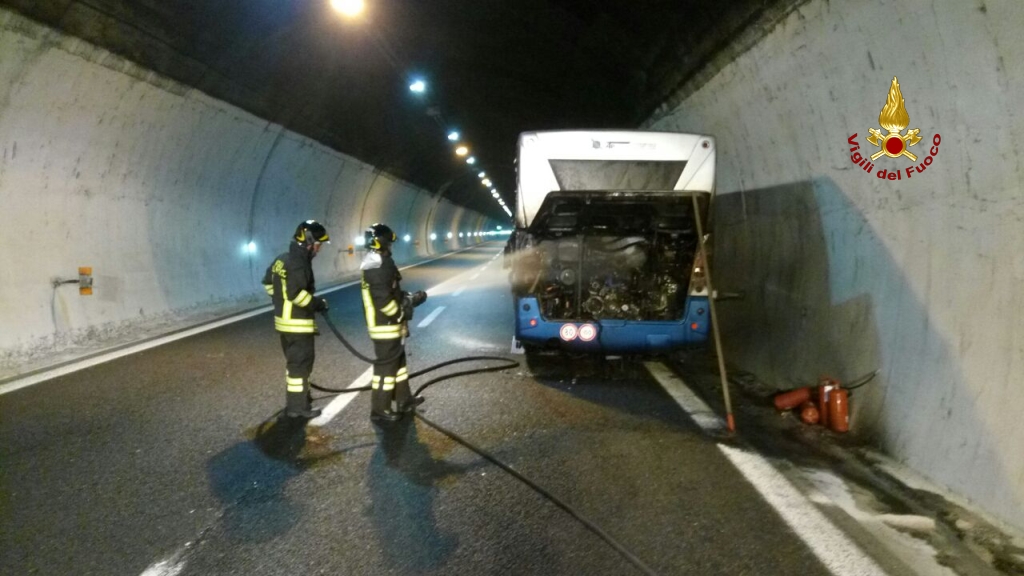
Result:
{"points": [[341, 400], [430, 317], [104, 357], [700, 412], [459, 291], [169, 567], [841, 556], [837, 552], [474, 276]]}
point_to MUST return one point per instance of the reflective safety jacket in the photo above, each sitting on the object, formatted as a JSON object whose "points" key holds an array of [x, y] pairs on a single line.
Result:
{"points": [[382, 296], [290, 283]]}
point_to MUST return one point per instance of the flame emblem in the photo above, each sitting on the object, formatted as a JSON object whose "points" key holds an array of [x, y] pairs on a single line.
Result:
{"points": [[894, 119]]}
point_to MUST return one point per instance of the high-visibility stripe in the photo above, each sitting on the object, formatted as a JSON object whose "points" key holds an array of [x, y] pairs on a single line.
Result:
{"points": [[303, 298], [371, 315], [388, 329], [391, 308], [297, 326], [394, 336], [388, 387], [402, 378], [390, 379], [294, 384], [403, 370], [269, 288]]}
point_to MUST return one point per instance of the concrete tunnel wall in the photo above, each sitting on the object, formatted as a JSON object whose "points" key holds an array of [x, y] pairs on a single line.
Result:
{"points": [[844, 272], [160, 189]]}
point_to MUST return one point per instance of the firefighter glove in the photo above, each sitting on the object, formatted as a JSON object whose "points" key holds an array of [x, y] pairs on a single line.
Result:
{"points": [[320, 305]]}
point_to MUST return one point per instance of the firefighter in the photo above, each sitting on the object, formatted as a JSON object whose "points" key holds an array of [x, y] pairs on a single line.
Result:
{"points": [[388, 310], [289, 282]]}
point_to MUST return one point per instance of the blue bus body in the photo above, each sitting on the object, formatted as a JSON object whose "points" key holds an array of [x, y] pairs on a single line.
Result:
{"points": [[612, 336]]}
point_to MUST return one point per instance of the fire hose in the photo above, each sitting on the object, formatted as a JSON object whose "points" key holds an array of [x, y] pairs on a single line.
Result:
{"points": [[508, 364]]}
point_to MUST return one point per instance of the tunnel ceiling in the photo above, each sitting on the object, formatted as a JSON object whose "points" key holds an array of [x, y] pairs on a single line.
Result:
{"points": [[494, 68]]}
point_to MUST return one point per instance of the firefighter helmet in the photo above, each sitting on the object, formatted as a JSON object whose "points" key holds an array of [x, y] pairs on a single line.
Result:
{"points": [[379, 236], [310, 232]]}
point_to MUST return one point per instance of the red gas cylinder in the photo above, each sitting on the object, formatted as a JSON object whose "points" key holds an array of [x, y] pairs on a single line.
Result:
{"points": [[839, 410], [809, 413], [791, 399]]}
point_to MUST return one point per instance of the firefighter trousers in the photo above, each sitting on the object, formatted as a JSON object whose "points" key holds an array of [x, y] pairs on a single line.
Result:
{"points": [[299, 354], [391, 379]]}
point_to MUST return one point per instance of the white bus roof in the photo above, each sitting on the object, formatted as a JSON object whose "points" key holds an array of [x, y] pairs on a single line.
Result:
{"points": [[613, 160]]}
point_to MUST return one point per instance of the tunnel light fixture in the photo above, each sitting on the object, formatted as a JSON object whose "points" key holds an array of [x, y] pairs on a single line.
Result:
{"points": [[507, 211], [471, 160], [499, 227], [407, 238], [453, 136], [487, 182], [250, 247], [460, 234], [418, 87], [482, 175], [360, 241], [449, 235], [461, 151], [433, 236], [348, 8], [494, 193]]}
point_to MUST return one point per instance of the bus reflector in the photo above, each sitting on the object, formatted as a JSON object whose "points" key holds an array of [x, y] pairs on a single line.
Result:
{"points": [[533, 321], [694, 326]]}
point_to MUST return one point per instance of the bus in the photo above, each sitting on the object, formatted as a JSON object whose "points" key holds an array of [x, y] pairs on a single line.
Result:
{"points": [[605, 257]]}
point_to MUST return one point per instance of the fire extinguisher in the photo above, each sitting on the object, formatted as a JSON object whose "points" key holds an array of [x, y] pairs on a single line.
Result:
{"points": [[791, 399], [839, 410]]}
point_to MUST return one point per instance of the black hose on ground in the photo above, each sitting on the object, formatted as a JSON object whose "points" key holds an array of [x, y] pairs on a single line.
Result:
{"points": [[629, 556]]}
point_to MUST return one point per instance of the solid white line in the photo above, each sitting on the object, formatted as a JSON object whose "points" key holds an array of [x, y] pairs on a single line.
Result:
{"points": [[342, 400], [430, 318], [841, 556], [700, 412], [142, 346], [459, 291]]}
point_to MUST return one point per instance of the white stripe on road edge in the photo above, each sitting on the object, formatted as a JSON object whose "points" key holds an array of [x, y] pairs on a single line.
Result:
{"points": [[341, 400], [701, 414], [101, 357], [459, 291], [841, 556], [426, 321]]}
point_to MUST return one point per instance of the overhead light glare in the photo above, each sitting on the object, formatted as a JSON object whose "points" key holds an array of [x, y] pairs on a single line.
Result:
{"points": [[461, 151], [407, 238], [453, 136], [482, 175], [471, 160], [348, 7], [433, 236], [419, 86], [487, 182]]}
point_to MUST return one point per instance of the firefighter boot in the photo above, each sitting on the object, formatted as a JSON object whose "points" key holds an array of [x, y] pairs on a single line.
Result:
{"points": [[404, 399], [380, 406], [297, 405]]}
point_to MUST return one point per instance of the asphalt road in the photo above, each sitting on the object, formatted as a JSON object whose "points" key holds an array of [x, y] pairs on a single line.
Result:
{"points": [[170, 462]]}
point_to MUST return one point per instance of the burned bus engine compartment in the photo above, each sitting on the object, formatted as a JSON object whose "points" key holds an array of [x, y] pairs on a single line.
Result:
{"points": [[624, 256]]}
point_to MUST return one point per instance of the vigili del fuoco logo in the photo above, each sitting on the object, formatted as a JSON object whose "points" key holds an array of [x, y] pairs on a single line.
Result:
{"points": [[894, 119]]}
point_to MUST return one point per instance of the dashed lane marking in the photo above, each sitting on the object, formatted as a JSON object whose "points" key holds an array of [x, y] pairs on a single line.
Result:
{"points": [[430, 318], [829, 544], [459, 291], [341, 400]]}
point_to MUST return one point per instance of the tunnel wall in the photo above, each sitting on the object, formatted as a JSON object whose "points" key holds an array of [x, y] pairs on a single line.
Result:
{"points": [[160, 189], [922, 278]]}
